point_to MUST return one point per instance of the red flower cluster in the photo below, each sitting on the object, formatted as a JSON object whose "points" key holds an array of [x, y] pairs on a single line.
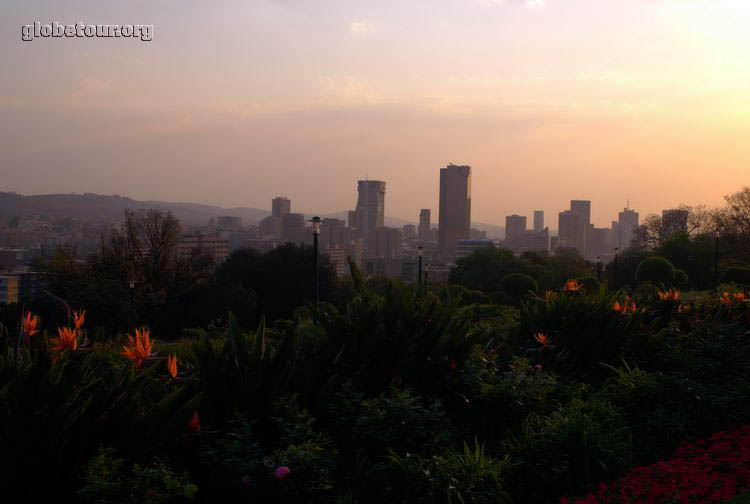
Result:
{"points": [[710, 470]]}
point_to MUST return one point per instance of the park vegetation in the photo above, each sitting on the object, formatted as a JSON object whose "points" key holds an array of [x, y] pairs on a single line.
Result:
{"points": [[524, 379]]}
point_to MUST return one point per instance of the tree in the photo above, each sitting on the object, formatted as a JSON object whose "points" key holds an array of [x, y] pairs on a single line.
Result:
{"points": [[654, 230], [518, 285], [733, 226], [692, 254], [271, 284], [656, 270], [485, 268], [736, 275]]}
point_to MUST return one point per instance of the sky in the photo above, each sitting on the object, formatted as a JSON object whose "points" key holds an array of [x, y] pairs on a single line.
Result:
{"points": [[236, 101]]}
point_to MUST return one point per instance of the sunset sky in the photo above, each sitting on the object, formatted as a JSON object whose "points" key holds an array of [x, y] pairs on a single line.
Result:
{"points": [[236, 101]]}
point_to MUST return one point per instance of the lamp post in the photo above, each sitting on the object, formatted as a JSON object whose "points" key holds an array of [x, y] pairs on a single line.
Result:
{"points": [[419, 278], [615, 281], [716, 258], [599, 268], [316, 233]]}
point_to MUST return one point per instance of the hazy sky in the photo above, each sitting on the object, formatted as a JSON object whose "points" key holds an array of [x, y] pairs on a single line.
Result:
{"points": [[235, 101]]}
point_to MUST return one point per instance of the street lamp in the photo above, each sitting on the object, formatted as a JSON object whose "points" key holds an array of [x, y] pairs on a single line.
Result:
{"points": [[616, 250], [599, 268], [716, 257], [316, 233], [419, 278]]}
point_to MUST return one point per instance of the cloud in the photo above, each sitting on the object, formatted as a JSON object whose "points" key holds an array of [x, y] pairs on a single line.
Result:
{"points": [[535, 4], [359, 27]]}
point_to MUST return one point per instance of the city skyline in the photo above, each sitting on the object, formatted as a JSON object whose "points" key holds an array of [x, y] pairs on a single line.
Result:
{"points": [[546, 100]]}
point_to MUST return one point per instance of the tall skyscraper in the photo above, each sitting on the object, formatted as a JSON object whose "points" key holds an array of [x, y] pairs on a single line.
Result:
{"points": [[280, 206], [370, 211], [583, 209], [515, 227], [293, 228], [673, 221], [455, 207], [424, 224], [538, 221], [568, 228], [626, 226]]}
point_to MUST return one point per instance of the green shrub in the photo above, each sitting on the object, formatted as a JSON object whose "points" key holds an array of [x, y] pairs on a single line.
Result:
{"points": [[397, 420], [590, 284], [114, 480], [736, 275], [470, 475], [240, 463], [656, 270], [680, 278], [247, 373], [500, 395], [583, 331], [518, 285], [584, 441]]}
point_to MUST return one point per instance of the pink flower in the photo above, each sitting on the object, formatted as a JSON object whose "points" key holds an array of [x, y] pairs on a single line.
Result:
{"points": [[538, 367], [282, 472]]}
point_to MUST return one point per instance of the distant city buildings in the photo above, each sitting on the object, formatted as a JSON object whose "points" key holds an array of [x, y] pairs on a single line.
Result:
{"points": [[467, 247], [424, 225], [213, 245], [280, 206], [515, 227], [538, 221], [228, 222], [627, 224], [674, 221], [455, 208], [293, 228], [582, 208], [370, 211]]}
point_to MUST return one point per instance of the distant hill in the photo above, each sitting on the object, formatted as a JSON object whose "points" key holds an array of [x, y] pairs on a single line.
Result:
{"points": [[108, 208], [103, 208]]}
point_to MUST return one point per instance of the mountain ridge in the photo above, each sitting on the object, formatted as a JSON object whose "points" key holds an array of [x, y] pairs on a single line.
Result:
{"points": [[100, 207]]}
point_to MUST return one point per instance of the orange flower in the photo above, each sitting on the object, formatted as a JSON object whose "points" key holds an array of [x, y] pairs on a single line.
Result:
{"points": [[740, 297], [572, 286], [172, 365], [140, 347], [683, 309], [30, 323], [628, 305], [67, 339], [670, 295], [78, 318], [195, 423], [726, 299], [542, 338]]}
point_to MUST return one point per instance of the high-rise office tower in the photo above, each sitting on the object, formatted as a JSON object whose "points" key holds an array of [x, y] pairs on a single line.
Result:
{"points": [[280, 207], [293, 228], [538, 220], [583, 209], [673, 221], [455, 208], [626, 226], [424, 224], [387, 243], [568, 228], [515, 226], [410, 231], [332, 232], [370, 211]]}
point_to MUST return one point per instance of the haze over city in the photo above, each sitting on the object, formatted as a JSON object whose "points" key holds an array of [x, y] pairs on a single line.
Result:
{"points": [[234, 102]]}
